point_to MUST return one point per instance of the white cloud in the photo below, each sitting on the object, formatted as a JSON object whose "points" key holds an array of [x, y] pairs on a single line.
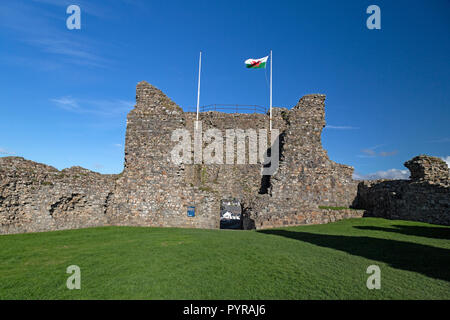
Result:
{"points": [[388, 153], [371, 152], [66, 103], [98, 166], [442, 140], [99, 107], [5, 152], [340, 127], [75, 52], [88, 7], [392, 174], [41, 29], [447, 160]]}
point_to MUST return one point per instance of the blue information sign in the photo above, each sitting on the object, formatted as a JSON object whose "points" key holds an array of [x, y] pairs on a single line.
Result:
{"points": [[191, 211]]}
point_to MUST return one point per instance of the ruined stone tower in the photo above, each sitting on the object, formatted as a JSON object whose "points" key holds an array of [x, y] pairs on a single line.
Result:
{"points": [[152, 190]]}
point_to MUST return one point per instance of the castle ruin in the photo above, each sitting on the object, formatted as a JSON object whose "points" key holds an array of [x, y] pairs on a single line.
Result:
{"points": [[152, 190]]}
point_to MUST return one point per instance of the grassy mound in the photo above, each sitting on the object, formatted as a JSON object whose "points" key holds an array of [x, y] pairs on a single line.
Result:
{"points": [[308, 262]]}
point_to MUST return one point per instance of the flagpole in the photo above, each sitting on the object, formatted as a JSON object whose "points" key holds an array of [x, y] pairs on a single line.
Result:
{"points": [[270, 119], [198, 90]]}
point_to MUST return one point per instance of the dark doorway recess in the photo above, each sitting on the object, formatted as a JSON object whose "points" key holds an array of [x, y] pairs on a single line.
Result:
{"points": [[230, 214]]}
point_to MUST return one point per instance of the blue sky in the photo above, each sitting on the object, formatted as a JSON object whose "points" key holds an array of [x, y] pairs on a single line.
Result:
{"points": [[65, 93]]}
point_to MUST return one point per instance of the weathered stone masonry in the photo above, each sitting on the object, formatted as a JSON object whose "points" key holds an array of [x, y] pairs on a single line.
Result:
{"points": [[154, 191], [36, 197], [425, 197]]}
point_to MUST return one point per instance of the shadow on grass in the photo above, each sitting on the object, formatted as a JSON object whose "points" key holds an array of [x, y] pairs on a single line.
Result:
{"points": [[427, 260], [428, 232]]}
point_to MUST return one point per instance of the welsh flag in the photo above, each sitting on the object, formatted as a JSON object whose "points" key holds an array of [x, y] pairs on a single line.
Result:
{"points": [[256, 63]]}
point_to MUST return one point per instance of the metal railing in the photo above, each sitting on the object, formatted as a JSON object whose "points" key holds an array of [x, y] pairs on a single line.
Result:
{"points": [[234, 108]]}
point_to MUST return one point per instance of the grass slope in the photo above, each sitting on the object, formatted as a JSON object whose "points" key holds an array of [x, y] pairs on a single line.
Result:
{"points": [[308, 262]]}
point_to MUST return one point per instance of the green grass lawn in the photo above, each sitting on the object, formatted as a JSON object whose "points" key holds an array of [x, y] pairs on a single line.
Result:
{"points": [[308, 262]]}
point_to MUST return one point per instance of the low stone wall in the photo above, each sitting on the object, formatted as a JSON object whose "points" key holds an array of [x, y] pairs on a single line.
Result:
{"points": [[426, 197], [309, 216], [36, 197]]}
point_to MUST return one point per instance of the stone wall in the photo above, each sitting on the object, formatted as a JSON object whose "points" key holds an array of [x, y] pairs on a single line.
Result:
{"points": [[306, 177], [152, 190], [425, 197], [300, 217], [36, 197]]}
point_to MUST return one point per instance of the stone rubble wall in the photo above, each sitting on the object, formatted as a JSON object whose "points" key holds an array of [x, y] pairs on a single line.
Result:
{"points": [[311, 216], [424, 168], [306, 177], [36, 197], [153, 191], [425, 197]]}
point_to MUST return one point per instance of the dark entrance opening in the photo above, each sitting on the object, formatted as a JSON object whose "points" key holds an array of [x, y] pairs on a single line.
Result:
{"points": [[230, 214]]}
